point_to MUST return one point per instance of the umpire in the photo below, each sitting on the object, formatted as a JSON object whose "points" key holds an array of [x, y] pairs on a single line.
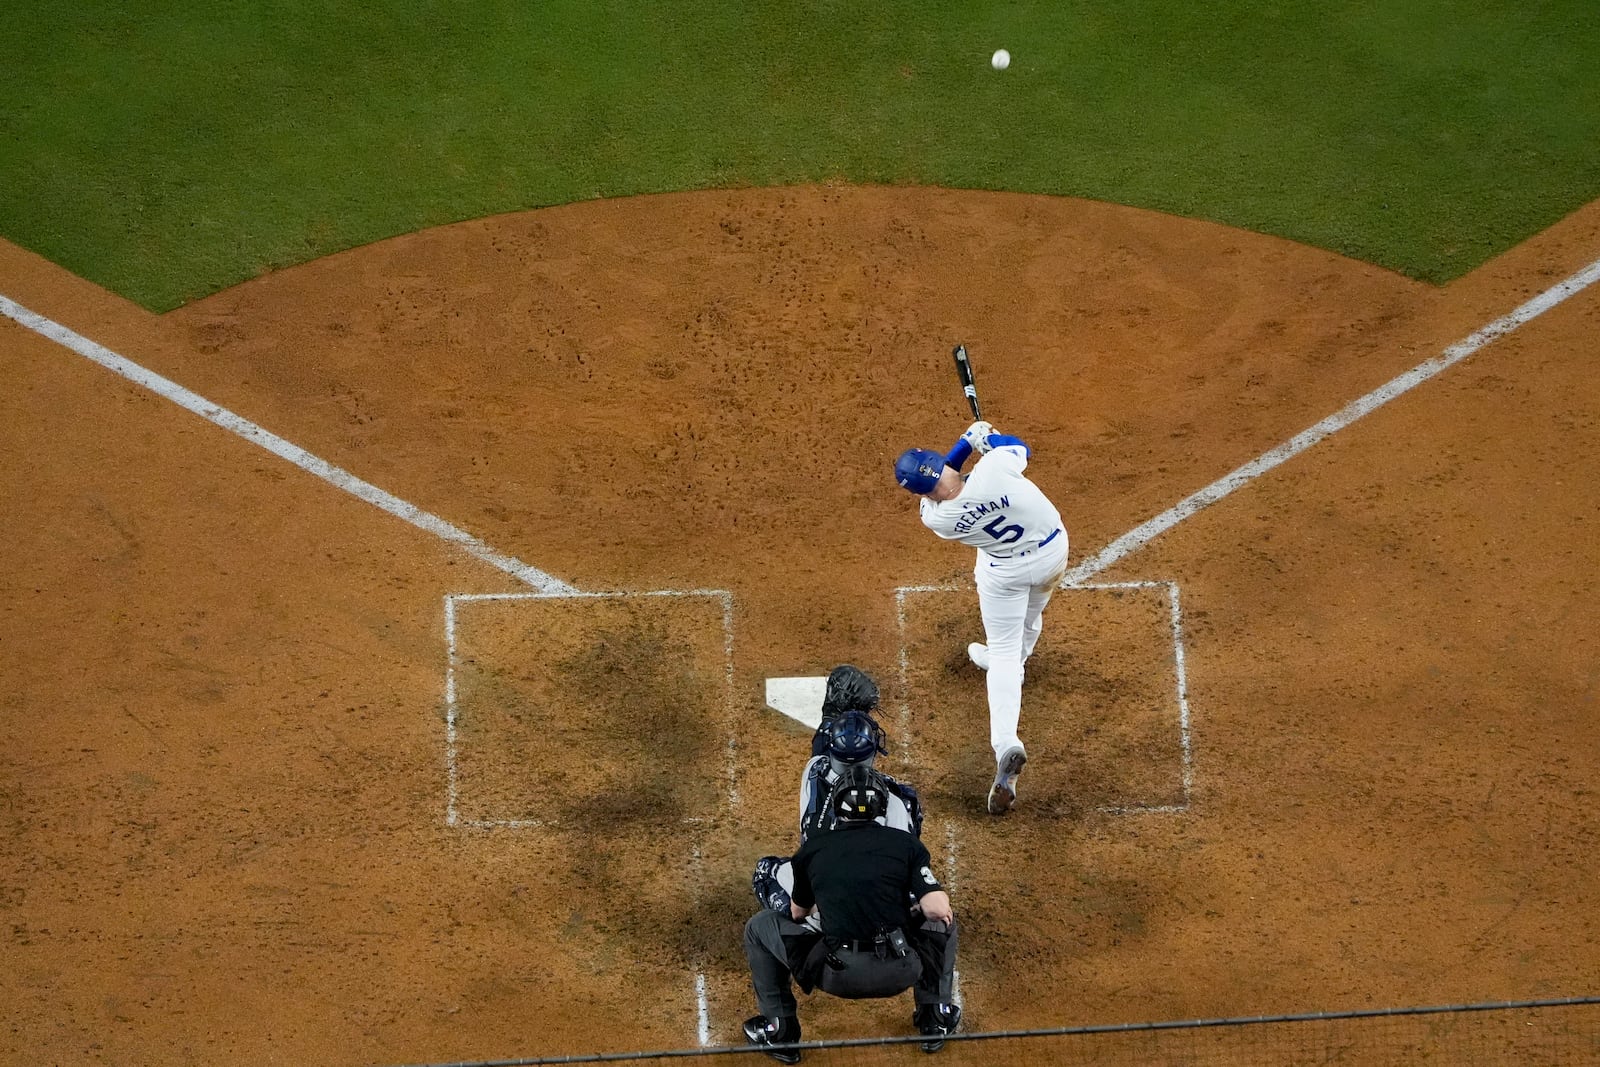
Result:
{"points": [[874, 943]]}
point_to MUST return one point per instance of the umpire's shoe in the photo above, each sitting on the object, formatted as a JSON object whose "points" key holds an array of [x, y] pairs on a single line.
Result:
{"points": [[1003, 794], [770, 1033], [934, 1022]]}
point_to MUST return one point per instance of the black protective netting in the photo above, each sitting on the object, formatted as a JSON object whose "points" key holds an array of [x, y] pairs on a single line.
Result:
{"points": [[1526, 1033]]}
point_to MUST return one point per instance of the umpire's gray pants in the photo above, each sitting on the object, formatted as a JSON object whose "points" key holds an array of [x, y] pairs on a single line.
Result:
{"points": [[775, 945], [935, 942]]}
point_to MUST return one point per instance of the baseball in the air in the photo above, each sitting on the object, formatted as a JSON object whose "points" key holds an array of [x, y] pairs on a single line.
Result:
{"points": [[1000, 60]]}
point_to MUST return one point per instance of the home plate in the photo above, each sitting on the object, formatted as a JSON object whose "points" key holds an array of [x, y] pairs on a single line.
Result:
{"points": [[798, 698]]}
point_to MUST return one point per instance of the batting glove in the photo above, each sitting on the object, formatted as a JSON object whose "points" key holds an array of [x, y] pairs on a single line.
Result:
{"points": [[977, 436]]}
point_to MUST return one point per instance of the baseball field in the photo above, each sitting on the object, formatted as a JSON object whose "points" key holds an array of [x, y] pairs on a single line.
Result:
{"points": [[429, 426]]}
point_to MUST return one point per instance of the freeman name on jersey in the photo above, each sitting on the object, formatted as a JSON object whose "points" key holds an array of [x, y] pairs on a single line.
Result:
{"points": [[970, 517]]}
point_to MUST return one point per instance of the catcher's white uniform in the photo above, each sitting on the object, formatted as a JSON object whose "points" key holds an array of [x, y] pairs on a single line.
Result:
{"points": [[1022, 554]]}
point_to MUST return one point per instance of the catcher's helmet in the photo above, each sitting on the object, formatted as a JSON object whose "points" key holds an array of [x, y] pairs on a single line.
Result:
{"points": [[854, 739], [859, 796], [849, 689], [918, 469]]}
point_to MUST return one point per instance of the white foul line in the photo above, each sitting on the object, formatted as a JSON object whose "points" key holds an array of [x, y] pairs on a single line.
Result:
{"points": [[950, 887], [702, 1015], [335, 476], [1141, 535]]}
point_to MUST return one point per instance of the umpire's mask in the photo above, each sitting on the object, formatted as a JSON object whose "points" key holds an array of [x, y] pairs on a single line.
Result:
{"points": [[859, 796]]}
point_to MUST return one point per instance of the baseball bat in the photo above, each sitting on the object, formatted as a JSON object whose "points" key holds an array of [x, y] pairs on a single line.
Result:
{"points": [[969, 385]]}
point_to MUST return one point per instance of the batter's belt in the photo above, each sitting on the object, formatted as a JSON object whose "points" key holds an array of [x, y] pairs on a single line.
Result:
{"points": [[1026, 551]]}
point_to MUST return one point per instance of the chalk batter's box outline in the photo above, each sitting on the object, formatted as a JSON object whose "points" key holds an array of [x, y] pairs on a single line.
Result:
{"points": [[1180, 677], [452, 813]]}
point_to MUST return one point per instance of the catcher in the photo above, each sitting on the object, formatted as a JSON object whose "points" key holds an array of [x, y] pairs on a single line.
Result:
{"points": [[846, 737]]}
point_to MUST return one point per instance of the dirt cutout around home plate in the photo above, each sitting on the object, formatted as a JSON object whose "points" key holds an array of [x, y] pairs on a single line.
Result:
{"points": [[288, 779]]}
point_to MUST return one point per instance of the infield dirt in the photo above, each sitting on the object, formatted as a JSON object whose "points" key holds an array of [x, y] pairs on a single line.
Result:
{"points": [[227, 775]]}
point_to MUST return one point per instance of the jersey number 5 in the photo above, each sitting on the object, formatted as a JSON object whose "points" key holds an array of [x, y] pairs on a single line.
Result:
{"points": [[1003, 535]]}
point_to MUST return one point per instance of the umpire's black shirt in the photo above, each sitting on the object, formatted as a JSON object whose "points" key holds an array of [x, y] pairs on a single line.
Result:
{"points": [[862, 876]]}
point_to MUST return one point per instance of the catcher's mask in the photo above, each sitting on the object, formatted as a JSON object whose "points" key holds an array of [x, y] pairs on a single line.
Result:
{"points": [[854, 740], [918, 469], [859, 796], [849, 689]]}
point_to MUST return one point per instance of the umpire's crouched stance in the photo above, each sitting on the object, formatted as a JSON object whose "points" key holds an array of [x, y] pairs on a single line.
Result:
{"points": [[872, 944]]}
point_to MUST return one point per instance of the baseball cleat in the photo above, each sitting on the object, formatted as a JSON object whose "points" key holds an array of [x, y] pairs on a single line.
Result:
{"points": [[1003, 794], [767, 1033], [935, 1022], [979, 654]]}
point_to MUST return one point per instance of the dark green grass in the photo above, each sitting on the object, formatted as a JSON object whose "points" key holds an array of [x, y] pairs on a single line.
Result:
{"points": [[173, 152]]}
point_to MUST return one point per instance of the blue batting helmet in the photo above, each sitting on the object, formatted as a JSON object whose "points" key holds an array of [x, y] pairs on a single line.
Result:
{"points": [[918, 469]]}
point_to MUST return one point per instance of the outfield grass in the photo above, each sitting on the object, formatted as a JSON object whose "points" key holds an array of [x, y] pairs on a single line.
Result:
{"points": [[174, 152]]}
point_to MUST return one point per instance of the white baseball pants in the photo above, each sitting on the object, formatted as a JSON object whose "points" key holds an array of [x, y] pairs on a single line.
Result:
{"points": [[1012, 594]]}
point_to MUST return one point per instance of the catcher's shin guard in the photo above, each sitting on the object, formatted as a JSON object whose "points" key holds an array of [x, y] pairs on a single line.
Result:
{"points": [[769, 892]]}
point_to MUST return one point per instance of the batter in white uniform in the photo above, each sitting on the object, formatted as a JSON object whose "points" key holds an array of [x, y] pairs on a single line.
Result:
{"points": [[1022, 554]]}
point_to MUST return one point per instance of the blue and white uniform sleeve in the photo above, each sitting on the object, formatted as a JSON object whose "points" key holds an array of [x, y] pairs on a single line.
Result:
{"points": [[962, 450], [1001, 440], [996, 488]]}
